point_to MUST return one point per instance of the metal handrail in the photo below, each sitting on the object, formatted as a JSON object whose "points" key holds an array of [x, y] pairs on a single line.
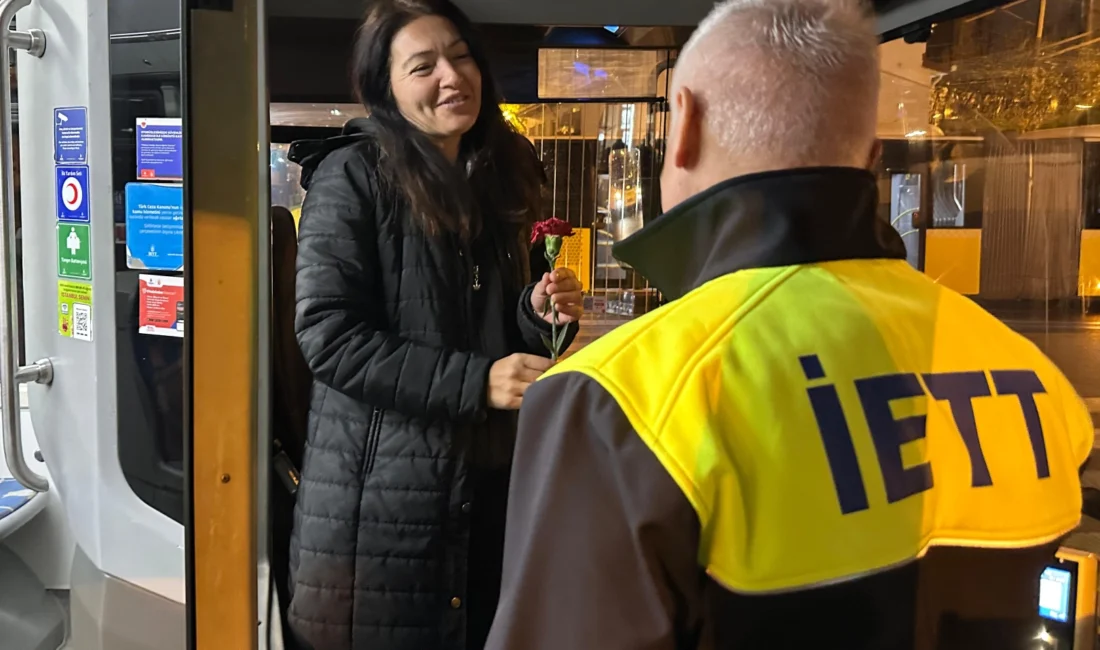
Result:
{"points": [[33, 41], [152, 36]]}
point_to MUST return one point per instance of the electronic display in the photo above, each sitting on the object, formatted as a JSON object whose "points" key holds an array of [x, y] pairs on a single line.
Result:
{"points": [[1055, 591]]}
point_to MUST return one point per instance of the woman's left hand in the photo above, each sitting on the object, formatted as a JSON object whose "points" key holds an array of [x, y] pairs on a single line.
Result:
{"points": [[563, 289]]}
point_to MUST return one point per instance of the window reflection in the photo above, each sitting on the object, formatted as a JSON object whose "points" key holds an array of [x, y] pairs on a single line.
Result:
{"points": [[991, 167], [905, 213], [144, 63], [286, 189]]}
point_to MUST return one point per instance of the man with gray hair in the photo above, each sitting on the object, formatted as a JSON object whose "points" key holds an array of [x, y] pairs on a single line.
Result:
{"points": [[812, 445], [776, 85]]}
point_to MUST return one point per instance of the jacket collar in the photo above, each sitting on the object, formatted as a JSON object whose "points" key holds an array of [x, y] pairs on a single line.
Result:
{"points": [[781, 218]]}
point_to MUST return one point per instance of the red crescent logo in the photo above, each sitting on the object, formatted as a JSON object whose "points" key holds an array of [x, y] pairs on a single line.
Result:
{"points": [[73, 194]]}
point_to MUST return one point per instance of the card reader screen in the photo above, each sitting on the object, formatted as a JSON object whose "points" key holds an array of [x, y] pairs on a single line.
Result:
{"points": [[1055, 587]]}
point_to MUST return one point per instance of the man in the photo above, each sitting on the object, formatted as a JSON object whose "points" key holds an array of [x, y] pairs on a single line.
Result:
{"points": [[813, 445]]}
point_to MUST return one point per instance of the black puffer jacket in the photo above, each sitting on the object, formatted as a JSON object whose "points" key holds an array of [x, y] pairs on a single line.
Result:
{"points": [[399, 521]]}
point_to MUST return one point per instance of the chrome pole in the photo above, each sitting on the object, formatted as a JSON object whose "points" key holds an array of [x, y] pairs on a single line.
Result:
{"points": [[33, 41]]}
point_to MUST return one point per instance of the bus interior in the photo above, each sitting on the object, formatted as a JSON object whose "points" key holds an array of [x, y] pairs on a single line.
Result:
{"points": [[144, 501]]}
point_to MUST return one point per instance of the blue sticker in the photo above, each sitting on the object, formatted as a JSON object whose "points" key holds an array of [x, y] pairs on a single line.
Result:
{"points": [[154, 226], [73, 201], [159, 148], [70, 135]]}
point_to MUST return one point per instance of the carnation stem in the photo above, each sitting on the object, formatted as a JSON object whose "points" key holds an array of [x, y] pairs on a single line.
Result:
{"points": [[554, 334], [553, 261]]}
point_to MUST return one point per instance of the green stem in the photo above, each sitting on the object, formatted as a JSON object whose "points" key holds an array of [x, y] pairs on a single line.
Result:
{"points": [[553, 261], [554, 335]]}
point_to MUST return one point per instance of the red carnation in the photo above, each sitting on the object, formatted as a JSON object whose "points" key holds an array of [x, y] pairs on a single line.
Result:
{"points": [[551, 231], [552, 227]]}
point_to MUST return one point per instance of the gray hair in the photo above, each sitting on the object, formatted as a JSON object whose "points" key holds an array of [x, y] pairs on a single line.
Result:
{"points": [[791, 81]]}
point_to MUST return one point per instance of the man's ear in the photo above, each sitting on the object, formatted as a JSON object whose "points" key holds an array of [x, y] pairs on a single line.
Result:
{"points": [[875, 156], [687, 130]]}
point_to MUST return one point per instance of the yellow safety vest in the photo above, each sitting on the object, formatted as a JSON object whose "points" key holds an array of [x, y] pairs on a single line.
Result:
{"points": [[831, 420]]}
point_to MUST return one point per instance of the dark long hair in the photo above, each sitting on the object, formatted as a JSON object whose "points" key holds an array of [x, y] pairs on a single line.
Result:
{"points": [[504, 177]]}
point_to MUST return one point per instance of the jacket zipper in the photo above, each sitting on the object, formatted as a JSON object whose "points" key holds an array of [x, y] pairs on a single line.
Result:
{"points": [[465, 252], [370, 449], [465, 255]]}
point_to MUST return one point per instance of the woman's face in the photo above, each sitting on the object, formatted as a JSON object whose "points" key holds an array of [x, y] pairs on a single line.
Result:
{"points": [[436, 83]]}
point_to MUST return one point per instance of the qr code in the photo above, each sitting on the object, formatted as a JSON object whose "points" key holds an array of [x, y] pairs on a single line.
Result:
{"points": [[82, 322]]}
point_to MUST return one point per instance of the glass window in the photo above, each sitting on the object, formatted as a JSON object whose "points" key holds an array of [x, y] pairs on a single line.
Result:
{"points": [[145, 104], [602, 163], [990, 169], [1065, 21], [286, 189], [598, 74]]}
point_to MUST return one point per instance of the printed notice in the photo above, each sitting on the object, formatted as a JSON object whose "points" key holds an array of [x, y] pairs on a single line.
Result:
{"points": [[74, 258], [160, 305], [72, 194], [154, 226], [160, 148], [70, 135], [74, 310]]}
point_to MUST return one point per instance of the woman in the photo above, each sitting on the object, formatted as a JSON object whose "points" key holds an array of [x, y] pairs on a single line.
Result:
{"points": [[415, 316]]}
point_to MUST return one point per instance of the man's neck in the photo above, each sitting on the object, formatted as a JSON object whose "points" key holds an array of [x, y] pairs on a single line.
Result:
{"points": [[710, 173], [778, 218]]}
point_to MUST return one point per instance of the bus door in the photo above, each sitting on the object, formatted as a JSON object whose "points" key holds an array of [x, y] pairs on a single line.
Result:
{"points": [[990, 123], [100, 265]]}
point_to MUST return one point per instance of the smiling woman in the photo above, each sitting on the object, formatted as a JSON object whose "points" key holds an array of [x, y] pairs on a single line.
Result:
{"points": [[438, 89], [418, 68], [416, 314]]}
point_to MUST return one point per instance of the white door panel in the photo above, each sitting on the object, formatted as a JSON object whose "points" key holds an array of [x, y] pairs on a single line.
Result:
{"points": [[75, 418]]}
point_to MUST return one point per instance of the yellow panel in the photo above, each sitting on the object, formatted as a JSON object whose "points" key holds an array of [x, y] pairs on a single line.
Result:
{"points": [[953, 258], [576, 254], [227, 174], [1089, 274]]}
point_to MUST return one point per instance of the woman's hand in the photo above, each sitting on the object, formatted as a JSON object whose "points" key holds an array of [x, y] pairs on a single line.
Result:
{"points": [[562, 288], [510, 377]]}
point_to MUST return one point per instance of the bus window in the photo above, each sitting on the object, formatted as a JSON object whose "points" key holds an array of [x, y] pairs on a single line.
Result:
{"points": [[145, 81], [990, 166]]}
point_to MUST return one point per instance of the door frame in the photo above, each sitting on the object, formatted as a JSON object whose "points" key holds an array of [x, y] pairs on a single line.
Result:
{"points": [[912, 17], [226, 252]]}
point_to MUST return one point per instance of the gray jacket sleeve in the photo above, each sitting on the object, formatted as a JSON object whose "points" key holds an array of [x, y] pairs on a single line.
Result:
{"points": [[601, 545]]}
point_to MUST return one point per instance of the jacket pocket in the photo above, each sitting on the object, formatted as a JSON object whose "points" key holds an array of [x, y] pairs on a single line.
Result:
{"points": [[370, 449]]}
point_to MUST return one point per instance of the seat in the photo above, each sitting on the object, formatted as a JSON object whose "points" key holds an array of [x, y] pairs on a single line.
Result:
{"points": [[18, 505], [291, 374], [291, 381], [30, 615]]}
